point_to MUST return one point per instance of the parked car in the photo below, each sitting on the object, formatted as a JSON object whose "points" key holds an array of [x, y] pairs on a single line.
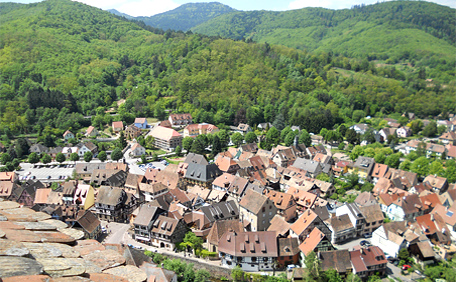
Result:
{"points": [[405, 267], [365, 243], [291, 266]]}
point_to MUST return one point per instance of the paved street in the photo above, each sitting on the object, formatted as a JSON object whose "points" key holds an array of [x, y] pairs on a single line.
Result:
{"points": [[116, 232], [350, 244]]}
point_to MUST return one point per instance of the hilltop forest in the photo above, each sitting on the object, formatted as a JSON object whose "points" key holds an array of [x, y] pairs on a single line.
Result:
{"points": [[62, 60]]}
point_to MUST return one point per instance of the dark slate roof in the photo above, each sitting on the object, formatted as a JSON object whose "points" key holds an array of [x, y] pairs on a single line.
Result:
{"points": [[109, 195], [118, 179], [322, 212], [88, 221], [193, 158], [200, 172], [307, 165], [338, 260], [221, 211], [146, 214]]}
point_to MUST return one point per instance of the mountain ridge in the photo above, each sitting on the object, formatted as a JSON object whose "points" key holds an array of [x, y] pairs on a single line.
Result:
{"points": [[183, 17]]}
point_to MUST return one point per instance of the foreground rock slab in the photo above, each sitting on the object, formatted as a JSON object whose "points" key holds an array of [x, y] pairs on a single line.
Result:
{"points": [[18, 266], [105, 259], [13, 248], [59, 267], [129, 272]]}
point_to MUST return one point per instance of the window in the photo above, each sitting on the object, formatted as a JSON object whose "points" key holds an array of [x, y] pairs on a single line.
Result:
{"points": [[263, 210]]}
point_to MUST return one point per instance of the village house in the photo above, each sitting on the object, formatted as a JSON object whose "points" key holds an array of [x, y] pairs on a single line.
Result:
{"points": [[111, 204], [405, 208], [439, 184], [284, 157], [312, 167], [87, 147], [362, 167], [137, 150], [91, 132], [141, 123], [336, 259], [448, 138], [252, 251], [227, 164], [166, 138], [257, 209], [242, 128], [166, 232], [355, 215], [143, 222], [306, 223], [378, 172], [391, 237], [84, 171], [178, 120], [403, 132], [316, 242], [67, 135], [218, 229], [285, 204], [193, 130], [385, 132], [368, 261], [342, 229], [117, 126], [89, 223], [84, 196], [202, 175], [132, 132], [203, 218], [288, 251]]}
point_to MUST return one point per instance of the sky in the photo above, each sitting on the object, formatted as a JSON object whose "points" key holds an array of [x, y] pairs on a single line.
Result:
{"points": [[151, 7]]}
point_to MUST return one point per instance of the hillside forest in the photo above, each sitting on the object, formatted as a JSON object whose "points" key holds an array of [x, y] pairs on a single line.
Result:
{"points": [[62, 60]]}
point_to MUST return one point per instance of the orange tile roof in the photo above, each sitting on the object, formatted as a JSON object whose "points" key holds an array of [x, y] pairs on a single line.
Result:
{"points": [[312, 241], [41, 195], [304, 221]]}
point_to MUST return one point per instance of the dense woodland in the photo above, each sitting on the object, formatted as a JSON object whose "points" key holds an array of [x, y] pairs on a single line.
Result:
{"points": [[61, 60]]}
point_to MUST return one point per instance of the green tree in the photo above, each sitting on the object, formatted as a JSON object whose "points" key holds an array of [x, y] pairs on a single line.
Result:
{"points": [[416, 126], [279, 122], [5, 158], [45, 159], [356, 152], [289, 139], [284, 133], [420, 166], [305, 138], [102, 156], [178, 150], [441, 129], [237, 274], [313, 266], [251, 137], [403, 255], [412, 156], [405, 165], [116, 154], [332, 275], [352, 137], [430, 130], [74, 157], [33, 158], [88, 156], [202, 275], [60, 157], [436, 168], [195, 242], [351, 277], [323, 177], [187, 143], [122, 140], [393, 160], [450, 171], [149, 142], [143, 158], [273, 136], [358, 115], [216, 146], [237, 139], [224, 137], [380, 158]]}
